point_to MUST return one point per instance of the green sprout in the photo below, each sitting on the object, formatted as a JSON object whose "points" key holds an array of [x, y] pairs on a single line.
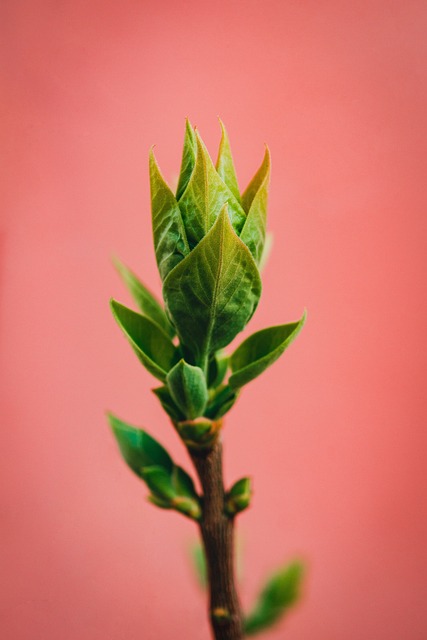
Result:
{"points": [[210, 243]]}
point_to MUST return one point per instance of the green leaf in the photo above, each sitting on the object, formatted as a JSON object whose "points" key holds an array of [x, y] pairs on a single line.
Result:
{"points": [[170, 240], [254, 229], [171, 486], [138, 448], [241, 488], [221, 402], [225, 165], [187, 386], [188, 158], [146, 301], [218, 366], [183, 483], [152, 346], [168, 404], [160, 482], [260, 350], [212, 294], [256, 182], [186, 499], [281, 591], [239, 496], [158, 502], [175, 489], [268, 244], [205, 196]]}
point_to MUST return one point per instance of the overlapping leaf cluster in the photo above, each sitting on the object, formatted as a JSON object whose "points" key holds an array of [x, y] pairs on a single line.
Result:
{"points": [[209, 242]]}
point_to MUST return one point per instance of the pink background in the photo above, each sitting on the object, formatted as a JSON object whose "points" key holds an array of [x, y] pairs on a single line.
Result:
{"points": [[334, 434]]}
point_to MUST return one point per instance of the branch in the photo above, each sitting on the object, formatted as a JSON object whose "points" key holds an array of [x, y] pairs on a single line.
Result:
{"points": [[217, 533]]}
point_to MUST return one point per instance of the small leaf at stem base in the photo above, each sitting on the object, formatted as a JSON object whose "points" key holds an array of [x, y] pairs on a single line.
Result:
{"points": [[280, 592]]}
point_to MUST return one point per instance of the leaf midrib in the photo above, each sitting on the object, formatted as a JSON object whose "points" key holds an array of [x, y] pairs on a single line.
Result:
{"points": [[206, 193], [212, 313]]}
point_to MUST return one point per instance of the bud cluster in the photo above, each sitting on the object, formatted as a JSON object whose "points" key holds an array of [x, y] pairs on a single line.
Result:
{"points": [[209, 241]]}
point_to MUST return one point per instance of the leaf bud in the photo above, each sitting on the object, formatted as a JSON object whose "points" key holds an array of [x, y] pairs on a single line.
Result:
{"points": [[199, 434], [187, 386], [239, 497]]}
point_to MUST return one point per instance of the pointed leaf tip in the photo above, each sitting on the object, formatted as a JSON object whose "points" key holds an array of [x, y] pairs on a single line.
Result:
{"points": [[151, 345], [189, 152], [280, 593], [170, 239], [171, 487], [256, 182], [239, 496], [204, 197], [261, 350], [148, 304], [138, 448], [255, 201], [225, 164]]}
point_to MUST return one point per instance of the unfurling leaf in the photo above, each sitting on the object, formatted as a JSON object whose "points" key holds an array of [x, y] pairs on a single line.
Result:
{"points": [[168, 404], [146, 301], [239, 496], [138, 448], [217, 369], [260, 350], [213, 292], [205, 196], [188, 159], [170, 240], [187, 386], [171, 487], [221, 402], [225, 164], [254, 229], [256, 182], [152, 346], [281, 591], [175, 489]]}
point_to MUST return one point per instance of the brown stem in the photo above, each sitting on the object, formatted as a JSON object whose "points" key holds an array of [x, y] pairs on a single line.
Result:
{"points": [[217, 534]]}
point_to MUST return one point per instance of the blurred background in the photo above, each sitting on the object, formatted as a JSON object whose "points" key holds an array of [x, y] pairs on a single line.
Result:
{"points": [[334, 434]]}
